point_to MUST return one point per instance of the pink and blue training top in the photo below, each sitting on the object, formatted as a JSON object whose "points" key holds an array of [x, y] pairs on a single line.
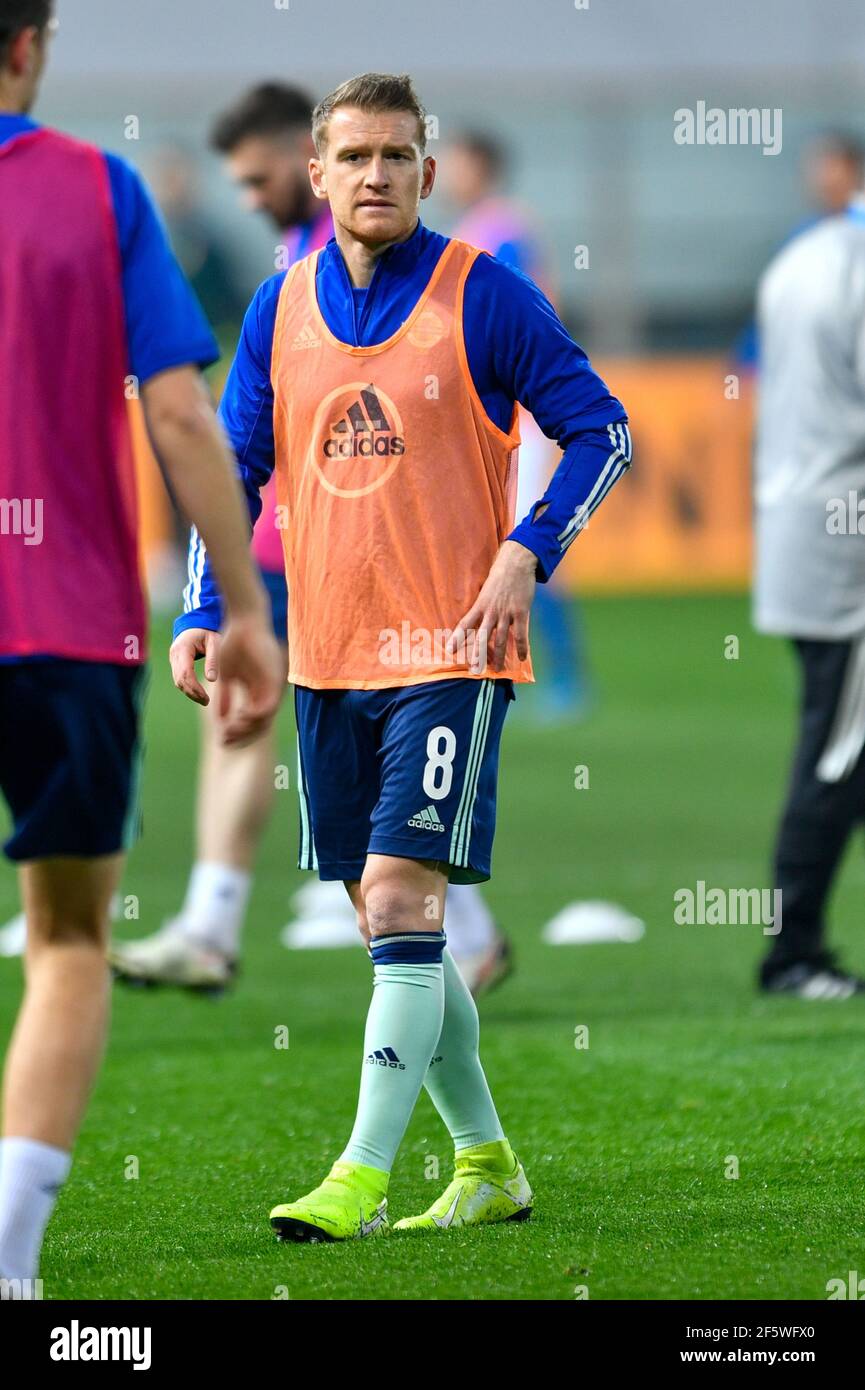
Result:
{"points": [[297, 242], [90, 296]]}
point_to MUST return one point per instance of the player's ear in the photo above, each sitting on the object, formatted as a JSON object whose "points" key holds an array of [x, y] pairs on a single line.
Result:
{"points": [[22, 50], [429, 176], [318, 178]]}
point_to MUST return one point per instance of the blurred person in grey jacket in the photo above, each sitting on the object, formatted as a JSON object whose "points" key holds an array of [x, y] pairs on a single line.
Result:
{"points": [[809, 582]]}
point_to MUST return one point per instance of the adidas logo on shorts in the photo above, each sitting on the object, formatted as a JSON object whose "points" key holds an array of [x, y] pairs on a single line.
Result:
{"points": [[426, 820]]}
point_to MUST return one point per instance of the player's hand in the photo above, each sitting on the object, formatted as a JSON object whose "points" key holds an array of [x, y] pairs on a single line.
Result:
{"points": [[252, 675], [185, 650], [503, 603]]}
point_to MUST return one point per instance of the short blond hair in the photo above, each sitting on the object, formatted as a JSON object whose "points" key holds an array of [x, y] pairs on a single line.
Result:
{"points": [[371, 92]]}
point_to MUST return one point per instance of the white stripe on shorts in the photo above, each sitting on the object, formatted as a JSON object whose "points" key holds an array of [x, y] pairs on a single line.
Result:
{"points": [[463, 823], [847, 738]]}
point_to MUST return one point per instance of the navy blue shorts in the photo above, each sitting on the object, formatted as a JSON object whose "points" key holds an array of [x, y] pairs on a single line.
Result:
{"points": [[277, 591], [409, 771], [70, 755]]}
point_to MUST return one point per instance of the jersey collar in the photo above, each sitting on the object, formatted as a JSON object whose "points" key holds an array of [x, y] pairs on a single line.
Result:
{"points": [[14, 123]]}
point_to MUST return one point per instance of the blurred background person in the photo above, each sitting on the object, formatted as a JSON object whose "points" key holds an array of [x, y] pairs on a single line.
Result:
{"points": [[833, 171], [475, 168], [810, 571], [205, 255], [207, 260], [266, 145]]}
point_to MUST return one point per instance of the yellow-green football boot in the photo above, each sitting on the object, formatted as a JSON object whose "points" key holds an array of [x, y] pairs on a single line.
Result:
{"points": [[489, 1184], [350, 1202]]}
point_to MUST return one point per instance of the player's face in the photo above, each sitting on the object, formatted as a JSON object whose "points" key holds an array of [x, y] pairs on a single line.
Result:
{"points": [[466, 176], [831, 178], [373, 173], [272, 172]]}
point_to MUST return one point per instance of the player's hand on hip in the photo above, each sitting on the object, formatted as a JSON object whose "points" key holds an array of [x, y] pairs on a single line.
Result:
{"points": [[503, 603], [185, 650], [252, 674]]}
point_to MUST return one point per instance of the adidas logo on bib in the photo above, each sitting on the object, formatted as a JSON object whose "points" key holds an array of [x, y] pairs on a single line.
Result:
{"points": [[306, 338], [426, 820], [364, 431]]}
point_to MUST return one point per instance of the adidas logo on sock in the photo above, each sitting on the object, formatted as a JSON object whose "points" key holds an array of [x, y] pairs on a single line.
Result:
{"points": [[306, 338], [426, 820], [385, 1057]]}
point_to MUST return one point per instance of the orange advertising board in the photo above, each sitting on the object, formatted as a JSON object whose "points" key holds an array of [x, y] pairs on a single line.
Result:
{"points": [[681, 518]]}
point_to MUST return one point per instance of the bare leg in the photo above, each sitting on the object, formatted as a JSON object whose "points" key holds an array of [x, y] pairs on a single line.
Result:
{"points": [[59, 1036], [56, 1048], [235, 794]]}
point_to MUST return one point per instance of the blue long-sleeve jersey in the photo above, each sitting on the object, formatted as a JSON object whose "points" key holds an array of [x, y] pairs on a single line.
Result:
{"points": [[517, 350]]}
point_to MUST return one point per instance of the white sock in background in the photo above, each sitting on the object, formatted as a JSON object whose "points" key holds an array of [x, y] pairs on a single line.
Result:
{"points": [[215, 906], [31, 1174], [469, 925]]}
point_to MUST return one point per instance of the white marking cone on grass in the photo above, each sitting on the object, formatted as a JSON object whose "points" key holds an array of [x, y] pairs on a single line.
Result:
{"points": [[585, 923], [325, 920]]}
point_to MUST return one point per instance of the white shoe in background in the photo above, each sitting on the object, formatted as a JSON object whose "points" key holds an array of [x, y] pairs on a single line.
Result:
{"points": [[171, 957]]}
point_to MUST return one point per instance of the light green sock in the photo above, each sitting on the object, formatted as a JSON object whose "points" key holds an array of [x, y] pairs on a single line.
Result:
{"points": [[455, 1081], [402, 1026]]}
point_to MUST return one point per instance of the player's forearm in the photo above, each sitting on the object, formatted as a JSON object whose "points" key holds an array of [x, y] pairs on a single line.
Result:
{"points": [[589, 468], [201, 472]]}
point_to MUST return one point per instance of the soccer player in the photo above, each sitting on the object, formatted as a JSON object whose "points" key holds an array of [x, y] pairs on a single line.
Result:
{"points": [[266, 143], [90, 298], [388, 366], [810, 571]]}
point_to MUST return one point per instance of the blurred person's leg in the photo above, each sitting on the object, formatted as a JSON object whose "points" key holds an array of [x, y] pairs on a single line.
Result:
{"points": [[56, 1046], [819, 816], [236, 790], [558, 620], [199, 948], [476, 943]]}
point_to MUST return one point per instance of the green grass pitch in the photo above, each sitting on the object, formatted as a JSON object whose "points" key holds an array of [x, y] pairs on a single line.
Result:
{"points": [[626, 1142]]}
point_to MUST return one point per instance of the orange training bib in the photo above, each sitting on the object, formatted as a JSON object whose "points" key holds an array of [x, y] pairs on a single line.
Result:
{"points": [[394, 488]]}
